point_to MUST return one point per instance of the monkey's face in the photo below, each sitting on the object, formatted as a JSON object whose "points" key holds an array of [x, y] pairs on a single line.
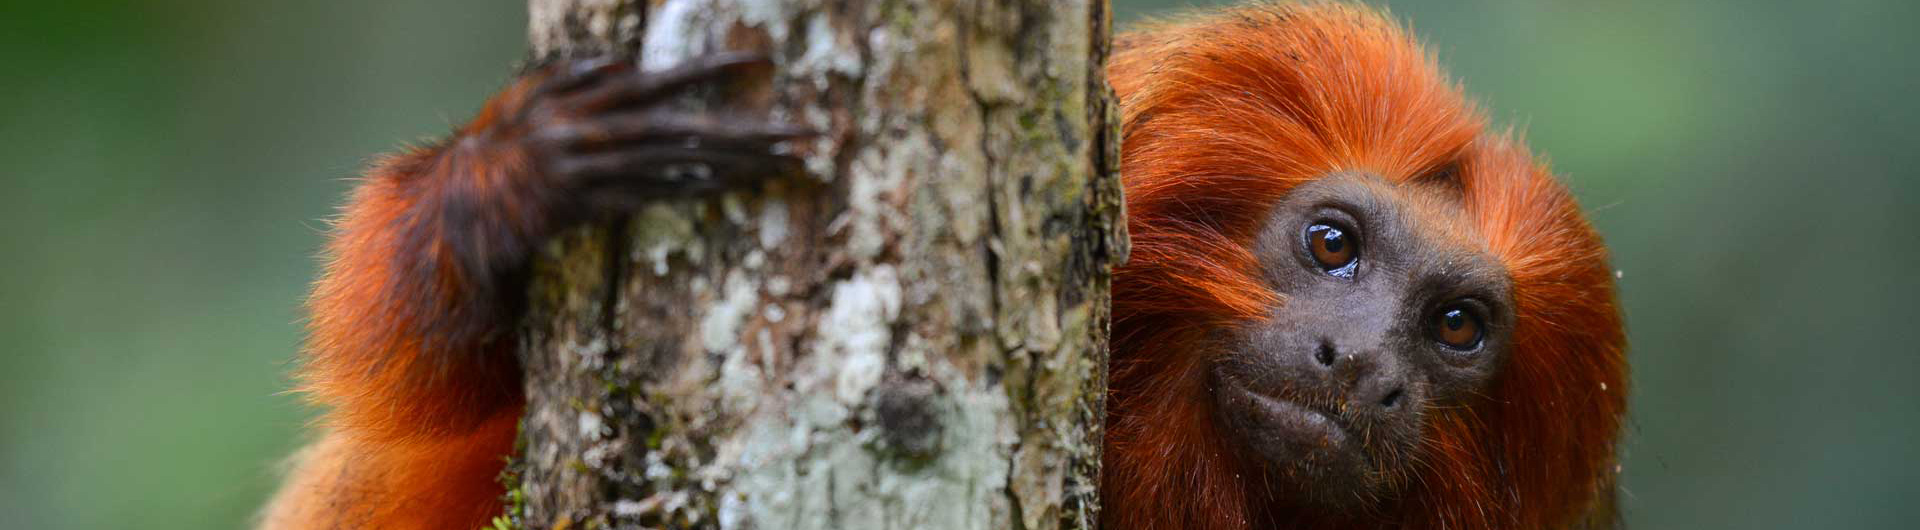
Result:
{"points": [[1389, 313]]}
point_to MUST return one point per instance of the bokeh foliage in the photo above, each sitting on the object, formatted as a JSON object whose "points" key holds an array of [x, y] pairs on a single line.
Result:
{"points": [[167, 167]]}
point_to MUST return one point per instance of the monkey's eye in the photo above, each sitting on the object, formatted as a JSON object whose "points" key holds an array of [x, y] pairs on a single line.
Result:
{"points": [[1457, 327], [1332, 248]]}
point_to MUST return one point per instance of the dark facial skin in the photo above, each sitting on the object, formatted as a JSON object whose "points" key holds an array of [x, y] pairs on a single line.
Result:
{"points": [[1389, 313]]}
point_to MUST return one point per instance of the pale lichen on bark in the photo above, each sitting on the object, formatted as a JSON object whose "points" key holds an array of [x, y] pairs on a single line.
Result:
{"points": [[913, 335]]}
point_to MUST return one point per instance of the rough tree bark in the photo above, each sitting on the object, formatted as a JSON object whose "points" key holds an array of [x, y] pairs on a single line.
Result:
{"points": [[911, 335]]}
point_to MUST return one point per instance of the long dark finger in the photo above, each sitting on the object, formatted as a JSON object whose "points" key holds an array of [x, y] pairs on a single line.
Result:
{"points": [[571, 75], [637, 87], [682, 179], [669, 166], [724, 131]]}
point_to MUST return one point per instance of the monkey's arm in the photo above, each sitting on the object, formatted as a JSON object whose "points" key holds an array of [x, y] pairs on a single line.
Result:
{"points": [[412, 320]]}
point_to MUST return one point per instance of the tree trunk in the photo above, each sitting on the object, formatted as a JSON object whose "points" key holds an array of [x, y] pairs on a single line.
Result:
{"points": [[911, 335]]}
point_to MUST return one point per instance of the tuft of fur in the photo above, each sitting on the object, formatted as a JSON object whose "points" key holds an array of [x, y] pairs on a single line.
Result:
{"points": [[1223, 114], [408, 348]]}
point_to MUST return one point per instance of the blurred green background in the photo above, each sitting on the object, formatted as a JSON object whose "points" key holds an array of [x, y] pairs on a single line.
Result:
{"points": [[166, 166]]}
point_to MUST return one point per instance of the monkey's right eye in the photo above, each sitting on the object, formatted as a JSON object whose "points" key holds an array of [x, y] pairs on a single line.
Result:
{"points": [[1332, 248]]}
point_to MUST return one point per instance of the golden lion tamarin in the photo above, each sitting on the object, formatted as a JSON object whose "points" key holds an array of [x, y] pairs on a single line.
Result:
{"points": [[1349, 303]]}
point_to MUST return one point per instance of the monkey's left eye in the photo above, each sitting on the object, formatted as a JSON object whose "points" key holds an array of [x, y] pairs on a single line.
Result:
{"points": [[1333, 249], [1457, 327]]}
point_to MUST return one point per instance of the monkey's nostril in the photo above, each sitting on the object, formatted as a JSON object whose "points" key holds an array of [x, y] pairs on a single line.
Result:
{"points": [[1325, 354], [1392, 399]]}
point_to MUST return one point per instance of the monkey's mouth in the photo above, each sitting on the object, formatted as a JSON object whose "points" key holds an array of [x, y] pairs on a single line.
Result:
{"points": [[1312, 449], [1284, 420]]}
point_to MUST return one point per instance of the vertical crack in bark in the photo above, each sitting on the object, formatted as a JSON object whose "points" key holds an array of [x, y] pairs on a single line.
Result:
{"points": [[993, 246], [618, 240], [1017, 512]]}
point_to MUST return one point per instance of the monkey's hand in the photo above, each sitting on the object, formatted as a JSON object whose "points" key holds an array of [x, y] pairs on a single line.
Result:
{"points": [[599, 137], [596, 128]]}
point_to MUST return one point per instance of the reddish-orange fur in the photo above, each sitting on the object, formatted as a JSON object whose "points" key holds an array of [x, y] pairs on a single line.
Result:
{"points": [[1224, 114], [423, 393]]}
